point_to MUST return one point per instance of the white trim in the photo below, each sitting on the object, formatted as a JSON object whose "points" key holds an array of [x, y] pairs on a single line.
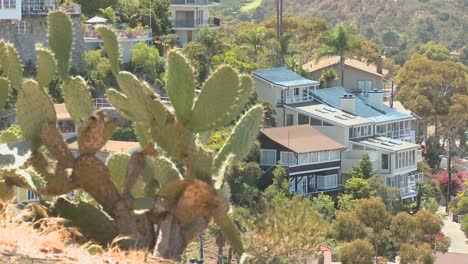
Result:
{"points": [[260, 161], [309, 171], [318, 162]]}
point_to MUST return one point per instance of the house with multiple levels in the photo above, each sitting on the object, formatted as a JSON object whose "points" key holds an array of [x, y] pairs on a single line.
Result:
{"points": [[358, 76], [312, 160], [362, 123], [24, 23], [188, 16]]}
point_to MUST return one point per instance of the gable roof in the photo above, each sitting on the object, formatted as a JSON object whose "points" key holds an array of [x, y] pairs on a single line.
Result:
{"points": [[312, 66], [114, 146], [283, 77], [331, 96], [301, 139], [332, 115]]}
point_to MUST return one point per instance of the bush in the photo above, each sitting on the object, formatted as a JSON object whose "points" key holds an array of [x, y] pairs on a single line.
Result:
{"points": [[464, 224], [357, 252]]}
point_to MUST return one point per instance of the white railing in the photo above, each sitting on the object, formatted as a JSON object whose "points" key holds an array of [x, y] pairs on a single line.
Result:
{"points": [[120, 33], [102, 103], [411, 188], [396, 134]]}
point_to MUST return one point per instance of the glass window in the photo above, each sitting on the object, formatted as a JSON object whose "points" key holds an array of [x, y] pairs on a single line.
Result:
{"points": [[324, 155], [384, 161], [303, 158], [289, 120], [334, 155], [22, 27], [313, 157], [288, 158], [327, 124], [312, 181], [365, 85], [31, 196], [315, 122], [292, 184], [327, 181], [296, 91], [268, 157], [302, 119], [304, 185]]}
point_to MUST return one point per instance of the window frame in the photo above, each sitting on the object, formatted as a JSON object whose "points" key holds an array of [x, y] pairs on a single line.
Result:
{"points": [[268, 150]]}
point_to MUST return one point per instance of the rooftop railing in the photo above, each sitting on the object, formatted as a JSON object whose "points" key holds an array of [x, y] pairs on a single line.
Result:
{"points": [[128, 33], [44, 9]]}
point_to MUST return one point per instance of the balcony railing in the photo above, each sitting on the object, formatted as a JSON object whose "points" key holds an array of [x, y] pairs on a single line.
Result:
{"points": [[396, 134], [212, 22], [120, 33], [44, 9], [194, 2]]}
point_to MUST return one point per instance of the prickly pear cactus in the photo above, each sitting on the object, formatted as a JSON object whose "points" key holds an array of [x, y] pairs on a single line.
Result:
{"points": [[172, 182]]}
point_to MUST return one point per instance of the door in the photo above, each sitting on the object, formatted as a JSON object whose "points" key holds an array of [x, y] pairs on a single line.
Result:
{"points": [[189, 36]]}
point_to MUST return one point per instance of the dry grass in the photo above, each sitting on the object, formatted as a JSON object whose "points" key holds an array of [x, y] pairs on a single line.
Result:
{"points": [[47, 240]]}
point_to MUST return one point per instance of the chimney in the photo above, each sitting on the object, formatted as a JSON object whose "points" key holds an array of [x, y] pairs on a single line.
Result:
{"points": [[375, 99], [378, 62], [348, 103]]}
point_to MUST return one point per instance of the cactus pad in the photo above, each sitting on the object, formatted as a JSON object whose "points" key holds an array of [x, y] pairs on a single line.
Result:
{"points": [[180, 86], [7, 192], [77, 99], [46, 66], [222, 87], [14, 154], [4, 92], [242, 137], [165, 171], [34, 109], [60, 41], [117, 165], [10, 62], [111, 46]]}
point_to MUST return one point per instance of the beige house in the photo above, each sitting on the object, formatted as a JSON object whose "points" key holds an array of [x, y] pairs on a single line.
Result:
{"points": [[111, 147], [358, 76]]}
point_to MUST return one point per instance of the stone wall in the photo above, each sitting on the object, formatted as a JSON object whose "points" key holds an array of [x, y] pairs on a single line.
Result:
{"points": [[25, 43]]}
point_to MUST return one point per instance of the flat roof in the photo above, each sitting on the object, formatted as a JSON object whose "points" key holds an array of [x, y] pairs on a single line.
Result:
{"points": [[283, 77], [301, 139], [114, 146], [61, 111], [388, 144], [332, 115]]}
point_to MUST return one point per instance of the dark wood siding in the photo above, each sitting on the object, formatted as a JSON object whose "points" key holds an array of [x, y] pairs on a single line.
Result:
{"points": [[317, 166], [267, 143]]}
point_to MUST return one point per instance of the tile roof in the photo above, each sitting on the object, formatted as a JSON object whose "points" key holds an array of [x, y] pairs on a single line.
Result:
{"points": [[61, 111], [301, 139], [283, 77], [331, 96], [114, 146], [332, 115], [312, 66], [452, 258], [384, 143]]}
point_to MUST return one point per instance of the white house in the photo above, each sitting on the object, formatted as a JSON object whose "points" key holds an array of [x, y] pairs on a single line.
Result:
{"points": [[188, 16]]}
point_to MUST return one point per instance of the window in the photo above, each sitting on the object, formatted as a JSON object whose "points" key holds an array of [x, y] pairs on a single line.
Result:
{"points": [[8, 4], [31, 196], [360, 131], [327, 124], [22, 27], [315, 122], [327, 181], [292, 185], [303, 158], [289, 120], [288, 158], [365, 85], [334, 155], [267, 157], [304, 185], [312, 181], [324, 156], [302, 119], [384, 161], [296, 91]]}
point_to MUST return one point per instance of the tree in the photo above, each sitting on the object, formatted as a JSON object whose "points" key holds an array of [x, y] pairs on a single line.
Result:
{"points": [[348, 227], [403, 228], [364, 169], [138, 191], [254, 37], [372, 213], [464, 224], [98, 73], [338, 41], [434, 51], [358, 188], [417, 254], [126, 133], [357, 252], [346, 202], [145, 58], [276, 234], [428, 88], [109, 13], [391, 196], [324, 205], [328, 75]]}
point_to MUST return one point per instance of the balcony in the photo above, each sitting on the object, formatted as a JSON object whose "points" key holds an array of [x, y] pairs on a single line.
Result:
{"points": [[405, 133], [191, 24], [91, 34], [44, 8], [195, 2]]}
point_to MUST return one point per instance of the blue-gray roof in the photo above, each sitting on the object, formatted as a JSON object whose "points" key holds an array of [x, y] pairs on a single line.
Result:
{"points": [[331, 96], [283, 77]]}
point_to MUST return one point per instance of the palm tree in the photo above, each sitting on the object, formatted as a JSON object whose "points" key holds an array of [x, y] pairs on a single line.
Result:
{"points": [[339, 41], [255, 37]]}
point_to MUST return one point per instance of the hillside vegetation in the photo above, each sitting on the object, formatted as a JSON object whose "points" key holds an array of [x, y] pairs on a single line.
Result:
{"points": [[394, 24]]}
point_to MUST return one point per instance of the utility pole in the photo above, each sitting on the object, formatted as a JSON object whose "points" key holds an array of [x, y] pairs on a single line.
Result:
{"points": [[449, 171]]}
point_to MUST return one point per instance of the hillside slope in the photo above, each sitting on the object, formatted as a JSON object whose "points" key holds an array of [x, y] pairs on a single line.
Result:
{"points": [[388, 22]]}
